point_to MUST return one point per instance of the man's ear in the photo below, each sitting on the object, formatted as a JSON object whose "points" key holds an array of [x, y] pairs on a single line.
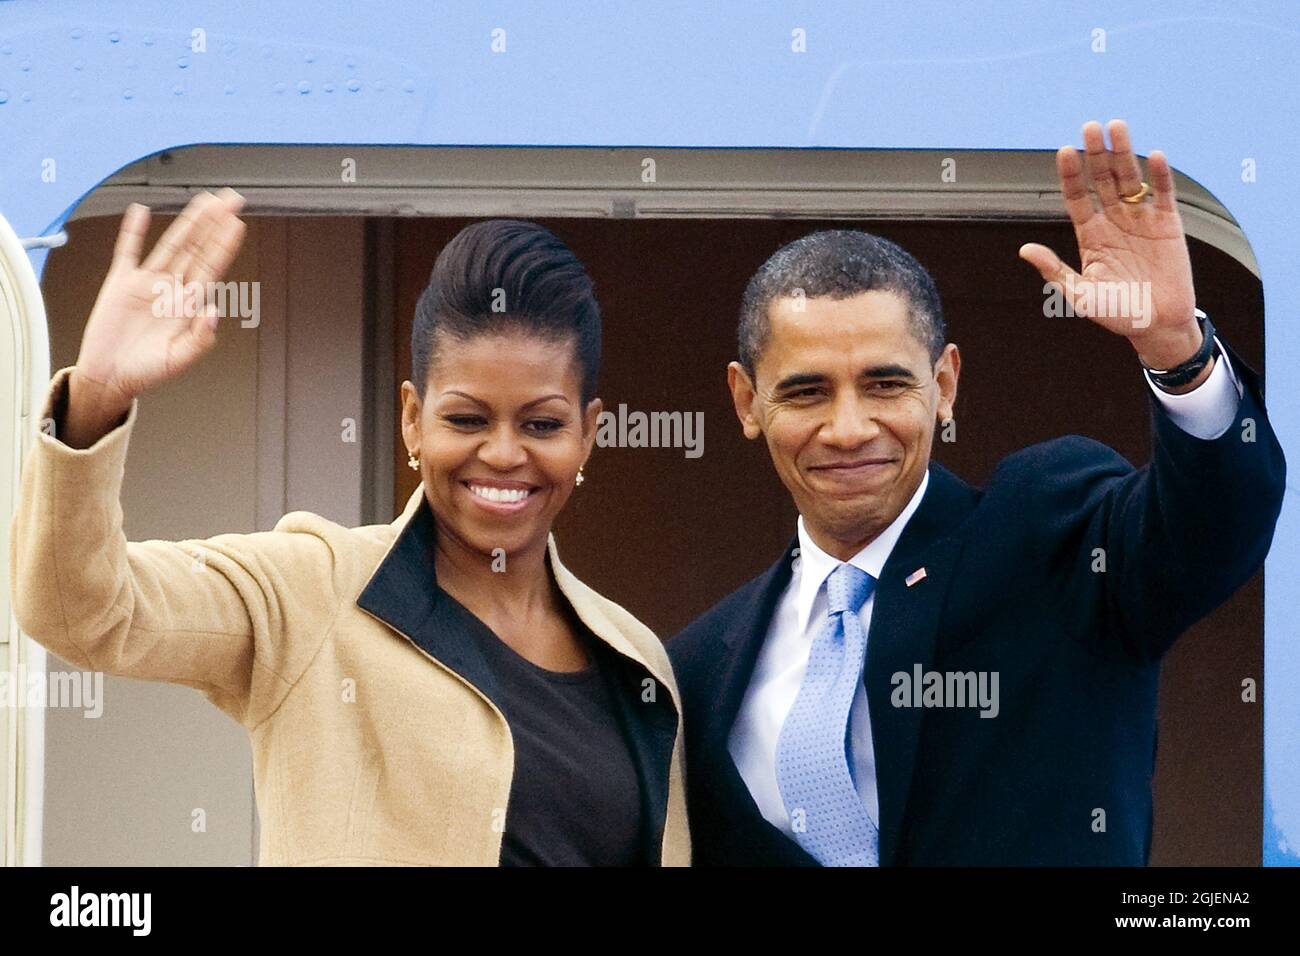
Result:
{"points": [[946, 371], [744, 397], [590, 419]]}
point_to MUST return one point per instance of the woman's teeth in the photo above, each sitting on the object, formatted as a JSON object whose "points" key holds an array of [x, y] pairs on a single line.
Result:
{"points": [[508, 495]]}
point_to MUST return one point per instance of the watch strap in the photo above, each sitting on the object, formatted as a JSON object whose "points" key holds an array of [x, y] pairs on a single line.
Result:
{"points": [[1187, 371]]}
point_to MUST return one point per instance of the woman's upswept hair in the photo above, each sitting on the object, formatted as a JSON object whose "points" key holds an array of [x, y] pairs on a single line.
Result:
{"points": [[505, 275]]}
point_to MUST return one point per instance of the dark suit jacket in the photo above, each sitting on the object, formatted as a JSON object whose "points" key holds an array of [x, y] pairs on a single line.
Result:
{"points": [[1010, 587]]}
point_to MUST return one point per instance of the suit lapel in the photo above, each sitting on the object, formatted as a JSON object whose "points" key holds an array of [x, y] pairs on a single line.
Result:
{"points": [[730, 671], [741, 642], [903, 635]]}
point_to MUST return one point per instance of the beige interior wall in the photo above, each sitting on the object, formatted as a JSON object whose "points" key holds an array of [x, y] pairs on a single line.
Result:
{"points": [[208, 455], [324, 369]]}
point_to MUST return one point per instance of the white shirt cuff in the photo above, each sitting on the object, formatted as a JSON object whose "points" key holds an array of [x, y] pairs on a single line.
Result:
{"points": [[1206, 411]]}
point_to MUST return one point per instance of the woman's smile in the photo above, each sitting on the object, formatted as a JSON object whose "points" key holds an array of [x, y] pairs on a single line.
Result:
{"points": [[501, 497]]}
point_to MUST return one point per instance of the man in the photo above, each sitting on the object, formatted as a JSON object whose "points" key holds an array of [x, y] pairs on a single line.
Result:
{"points": [[934, 674]]}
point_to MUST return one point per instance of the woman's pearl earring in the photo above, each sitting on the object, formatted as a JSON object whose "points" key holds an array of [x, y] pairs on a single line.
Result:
{"points": [[412, 461], [579, 480]]}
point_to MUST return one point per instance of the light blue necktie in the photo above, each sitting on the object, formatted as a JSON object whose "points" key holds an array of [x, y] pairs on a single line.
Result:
{"points": [[812, 762]]}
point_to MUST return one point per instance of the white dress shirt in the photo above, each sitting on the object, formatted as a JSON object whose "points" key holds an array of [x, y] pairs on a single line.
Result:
{"points": [[1205, 412]]}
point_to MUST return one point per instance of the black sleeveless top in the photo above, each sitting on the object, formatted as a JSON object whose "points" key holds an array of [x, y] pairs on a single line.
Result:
{"points": [[575, 798]]}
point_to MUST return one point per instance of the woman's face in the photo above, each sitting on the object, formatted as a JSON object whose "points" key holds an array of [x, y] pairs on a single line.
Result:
{"points": [[500, 434]]}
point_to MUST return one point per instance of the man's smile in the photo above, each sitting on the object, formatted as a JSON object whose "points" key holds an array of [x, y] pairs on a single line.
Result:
{"points": [[854, 471]]}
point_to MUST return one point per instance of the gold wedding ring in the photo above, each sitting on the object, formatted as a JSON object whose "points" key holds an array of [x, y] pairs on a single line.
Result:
{"points": [[1138, 196]]}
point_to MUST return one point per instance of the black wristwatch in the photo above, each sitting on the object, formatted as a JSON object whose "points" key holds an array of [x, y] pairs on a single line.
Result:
{"points": [[1182, 374]]}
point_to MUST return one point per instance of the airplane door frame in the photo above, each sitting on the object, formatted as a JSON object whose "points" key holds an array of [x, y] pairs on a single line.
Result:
{"points": [[25, 364]]}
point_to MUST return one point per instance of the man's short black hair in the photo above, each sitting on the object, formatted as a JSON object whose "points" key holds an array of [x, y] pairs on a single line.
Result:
{"points": [[505, 275], [839, 263]]}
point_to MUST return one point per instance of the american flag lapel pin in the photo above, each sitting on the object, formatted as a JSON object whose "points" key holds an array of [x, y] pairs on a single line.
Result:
{"points": [[917, 575]]}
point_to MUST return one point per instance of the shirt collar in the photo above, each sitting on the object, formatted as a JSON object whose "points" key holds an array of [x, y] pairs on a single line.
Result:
{"points": [[815, 565]]}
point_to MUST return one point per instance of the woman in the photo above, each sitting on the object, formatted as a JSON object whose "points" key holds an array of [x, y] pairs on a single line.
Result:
{"points": [[440, 690]]}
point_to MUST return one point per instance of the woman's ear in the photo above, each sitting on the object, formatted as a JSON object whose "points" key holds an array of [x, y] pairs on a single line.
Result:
{"points": [[410, 416], [590, 421]]}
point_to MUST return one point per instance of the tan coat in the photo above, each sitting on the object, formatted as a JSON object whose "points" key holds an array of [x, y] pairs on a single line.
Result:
{"points": [[368, 748]]}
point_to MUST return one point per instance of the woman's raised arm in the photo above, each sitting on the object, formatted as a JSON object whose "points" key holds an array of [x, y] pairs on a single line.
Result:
{"points": [[139, 333], [237, 616]]}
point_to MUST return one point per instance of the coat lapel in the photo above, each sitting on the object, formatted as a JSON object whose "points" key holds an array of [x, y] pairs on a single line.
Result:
{"points": [[403, 593], [651, 731], [903, 635], [651, 724]]}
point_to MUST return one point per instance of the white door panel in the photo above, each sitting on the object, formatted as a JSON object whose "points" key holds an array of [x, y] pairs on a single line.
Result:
{"points": [[24, 367]]}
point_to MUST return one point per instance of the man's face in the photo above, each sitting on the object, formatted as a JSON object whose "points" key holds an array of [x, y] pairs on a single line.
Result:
{"points": [[848, 401]]}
